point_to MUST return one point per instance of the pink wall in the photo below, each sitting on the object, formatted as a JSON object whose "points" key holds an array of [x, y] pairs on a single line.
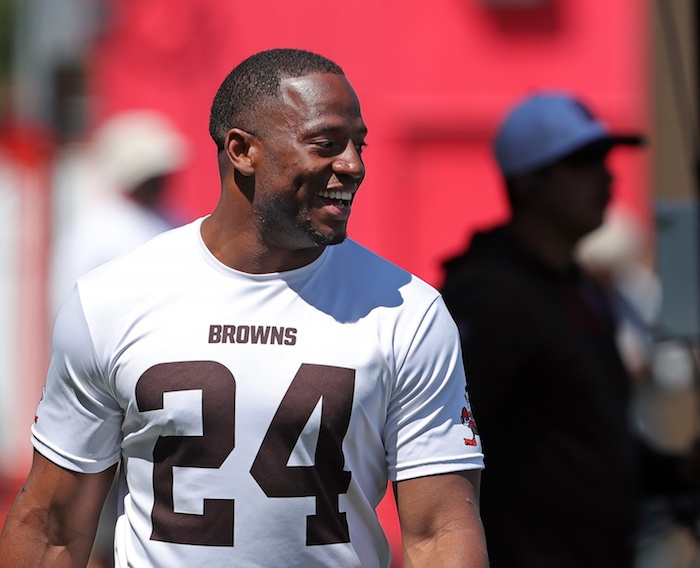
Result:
{"points": [[434, 79]]}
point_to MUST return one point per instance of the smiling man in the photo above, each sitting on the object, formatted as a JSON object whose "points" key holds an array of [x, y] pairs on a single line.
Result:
{"points": [[258, 386]]}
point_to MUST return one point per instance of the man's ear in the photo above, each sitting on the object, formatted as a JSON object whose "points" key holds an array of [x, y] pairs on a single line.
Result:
{"points": [[241, 147]]}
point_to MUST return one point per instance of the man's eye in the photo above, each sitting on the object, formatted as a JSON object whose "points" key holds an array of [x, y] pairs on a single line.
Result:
{"points": [[333, 146]]}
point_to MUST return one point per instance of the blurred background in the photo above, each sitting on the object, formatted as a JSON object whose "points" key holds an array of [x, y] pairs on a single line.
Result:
{"points": [[434, 80]]}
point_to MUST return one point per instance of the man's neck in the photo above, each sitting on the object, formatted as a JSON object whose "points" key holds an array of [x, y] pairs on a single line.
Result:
{"points": [[238, 250], [544, 241]]}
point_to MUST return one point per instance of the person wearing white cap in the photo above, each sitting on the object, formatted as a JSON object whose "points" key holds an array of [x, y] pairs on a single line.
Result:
{"points": [[133, 153], [549, 389]]}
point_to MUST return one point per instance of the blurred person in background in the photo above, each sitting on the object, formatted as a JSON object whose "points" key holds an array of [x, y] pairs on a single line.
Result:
{"points": [[132, 154], [549, 388]]}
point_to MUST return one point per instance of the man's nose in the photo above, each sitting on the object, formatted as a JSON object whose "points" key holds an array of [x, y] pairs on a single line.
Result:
{"points": [[350, 162]]}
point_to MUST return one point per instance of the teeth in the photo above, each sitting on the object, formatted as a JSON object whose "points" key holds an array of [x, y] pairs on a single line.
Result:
{"points": [[342, 195]]}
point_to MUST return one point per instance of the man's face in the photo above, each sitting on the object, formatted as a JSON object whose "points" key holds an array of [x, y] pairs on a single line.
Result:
{"points": [[575, 193], [311, 163]]}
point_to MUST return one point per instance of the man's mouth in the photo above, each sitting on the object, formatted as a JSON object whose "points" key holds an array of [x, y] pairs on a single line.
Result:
{"points": [[339, 198]]}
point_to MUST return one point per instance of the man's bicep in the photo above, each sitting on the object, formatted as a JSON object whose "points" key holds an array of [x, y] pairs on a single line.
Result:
{"points": [[439, 518], [57, 508], [433, 499], [49, 485]]}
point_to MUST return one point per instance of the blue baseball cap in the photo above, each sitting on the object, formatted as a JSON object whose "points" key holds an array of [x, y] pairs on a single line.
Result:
{"points": [[546, 127]]}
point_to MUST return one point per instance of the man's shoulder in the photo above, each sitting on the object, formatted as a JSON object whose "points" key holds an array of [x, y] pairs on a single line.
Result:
{"points": [[489, 275], [353, 282], [362, 263], [160, 259], [489, 270]]}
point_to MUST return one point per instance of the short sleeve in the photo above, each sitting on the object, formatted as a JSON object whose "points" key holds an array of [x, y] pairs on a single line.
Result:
{"points": [[430, 428], [78, 421]]}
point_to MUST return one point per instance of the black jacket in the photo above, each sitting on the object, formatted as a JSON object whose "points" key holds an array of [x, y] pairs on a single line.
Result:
{"points": [[550, 396]]}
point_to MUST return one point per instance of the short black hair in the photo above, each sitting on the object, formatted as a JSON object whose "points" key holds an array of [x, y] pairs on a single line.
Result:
{"points": [[248, 89]]}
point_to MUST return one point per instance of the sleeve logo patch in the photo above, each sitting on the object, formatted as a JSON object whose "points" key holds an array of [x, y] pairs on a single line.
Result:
{"points": [[469, 422]]}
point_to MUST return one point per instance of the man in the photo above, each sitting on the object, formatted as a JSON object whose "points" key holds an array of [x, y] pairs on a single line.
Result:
{"points": [[549, 390], [259, 385]]}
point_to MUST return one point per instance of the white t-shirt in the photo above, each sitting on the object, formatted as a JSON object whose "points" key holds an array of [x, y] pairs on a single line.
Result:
{"points": [[258, 416]]}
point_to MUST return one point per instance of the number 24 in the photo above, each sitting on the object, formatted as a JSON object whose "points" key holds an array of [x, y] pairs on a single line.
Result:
{"points": [[324, 480]]}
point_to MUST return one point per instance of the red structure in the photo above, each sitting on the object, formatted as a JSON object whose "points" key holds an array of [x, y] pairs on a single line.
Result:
{"points": [[434, 81]]}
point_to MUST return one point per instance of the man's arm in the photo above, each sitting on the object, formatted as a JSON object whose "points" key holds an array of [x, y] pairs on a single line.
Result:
{"points": [[52, 522], [440, 522]]}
